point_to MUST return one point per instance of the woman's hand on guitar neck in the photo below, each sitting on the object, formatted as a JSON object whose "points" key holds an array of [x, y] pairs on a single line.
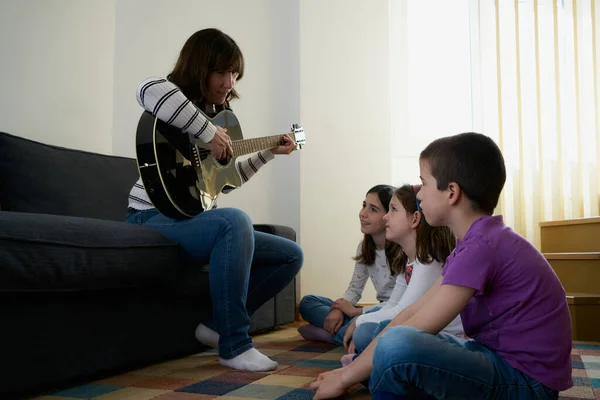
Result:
{"points": [[286, 148], [220, 146]]}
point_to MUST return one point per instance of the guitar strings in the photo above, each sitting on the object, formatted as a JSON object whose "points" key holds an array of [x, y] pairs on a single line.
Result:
{"points": [[204, 152]]}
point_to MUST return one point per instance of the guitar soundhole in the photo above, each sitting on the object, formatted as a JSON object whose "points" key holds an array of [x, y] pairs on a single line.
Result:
{"points": [[224, 161], [190, 174]]}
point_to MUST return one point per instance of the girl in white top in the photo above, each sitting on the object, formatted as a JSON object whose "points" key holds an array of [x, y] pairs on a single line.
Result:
{"points": [[425, 249], [328, 319]]}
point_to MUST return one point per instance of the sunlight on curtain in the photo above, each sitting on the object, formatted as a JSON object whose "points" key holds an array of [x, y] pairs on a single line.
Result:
{"points": [[431, 78], [524, 73], [539, 98]]}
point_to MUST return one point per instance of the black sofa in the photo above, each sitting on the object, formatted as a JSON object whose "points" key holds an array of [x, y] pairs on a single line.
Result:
{"points": [[83, 294]]}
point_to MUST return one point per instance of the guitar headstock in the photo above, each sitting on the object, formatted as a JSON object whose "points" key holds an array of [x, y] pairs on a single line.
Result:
{"points": [[298, 135]]}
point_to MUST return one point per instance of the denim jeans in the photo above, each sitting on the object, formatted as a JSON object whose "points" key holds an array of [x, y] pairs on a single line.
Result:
{"points": [[415, 364], [365, 332], [314, 310], [246, 268]]}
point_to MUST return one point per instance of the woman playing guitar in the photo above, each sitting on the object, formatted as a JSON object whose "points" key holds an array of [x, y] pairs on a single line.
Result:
{"points": [[246, 268]]}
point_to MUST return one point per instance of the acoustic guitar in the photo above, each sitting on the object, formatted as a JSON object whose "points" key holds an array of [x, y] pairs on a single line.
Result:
{"points": [[180, 176]]}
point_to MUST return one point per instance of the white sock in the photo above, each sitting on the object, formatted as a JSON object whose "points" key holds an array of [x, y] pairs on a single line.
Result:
{"points": [[207, 336], [250, 360]]}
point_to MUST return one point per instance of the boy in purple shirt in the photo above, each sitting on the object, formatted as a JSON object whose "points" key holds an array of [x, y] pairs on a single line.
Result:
{"points": [[510, 300]]}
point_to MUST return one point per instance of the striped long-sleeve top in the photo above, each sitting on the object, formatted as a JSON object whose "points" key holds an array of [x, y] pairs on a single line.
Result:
{"points": [[166, 102]]}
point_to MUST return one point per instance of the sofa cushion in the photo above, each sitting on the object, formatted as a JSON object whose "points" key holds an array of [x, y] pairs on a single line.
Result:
{"points": [[39, 178], [49, 253]]}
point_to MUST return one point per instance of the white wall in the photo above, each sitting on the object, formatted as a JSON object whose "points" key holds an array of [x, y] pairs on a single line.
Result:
{"points": [[150, 34], [56, 74], [344, 105], [70, 68]]}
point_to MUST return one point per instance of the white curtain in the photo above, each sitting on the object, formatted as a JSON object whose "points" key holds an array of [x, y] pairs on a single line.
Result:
{"points": [[523, 72]]}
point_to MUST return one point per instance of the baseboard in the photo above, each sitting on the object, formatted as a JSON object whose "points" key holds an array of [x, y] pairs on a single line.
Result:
{"points": [[299, 317], [366, 304]]}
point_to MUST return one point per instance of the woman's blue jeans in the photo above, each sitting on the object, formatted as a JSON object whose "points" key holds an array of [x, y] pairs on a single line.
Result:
{"points": [[409, 363], [246, 268]]}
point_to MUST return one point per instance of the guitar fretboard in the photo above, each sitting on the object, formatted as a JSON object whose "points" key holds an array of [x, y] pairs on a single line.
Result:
{"points": [[248, 146]]}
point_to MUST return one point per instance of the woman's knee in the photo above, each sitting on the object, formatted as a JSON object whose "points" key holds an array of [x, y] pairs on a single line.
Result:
{"points": [[234, 221], [296, 256], [234, 216], [288, 251]]}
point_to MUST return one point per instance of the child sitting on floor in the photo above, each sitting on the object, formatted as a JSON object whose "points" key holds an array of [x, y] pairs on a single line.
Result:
{"points": [[329, 319], [424, 251], [511, 302]]}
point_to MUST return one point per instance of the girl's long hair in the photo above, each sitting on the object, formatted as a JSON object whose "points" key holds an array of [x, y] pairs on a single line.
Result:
{"points": [[433, 242], [367, 252]]}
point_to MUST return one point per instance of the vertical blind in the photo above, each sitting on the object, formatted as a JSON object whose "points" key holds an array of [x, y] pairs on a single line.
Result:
{"points": [[526, 74]]}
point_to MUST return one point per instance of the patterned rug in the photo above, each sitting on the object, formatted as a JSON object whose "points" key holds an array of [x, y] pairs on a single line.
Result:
{"points": [[202, 377]]}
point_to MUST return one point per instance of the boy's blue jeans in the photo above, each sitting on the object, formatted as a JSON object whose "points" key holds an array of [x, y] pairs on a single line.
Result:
{"points": [[409, 363], [246, 268]]}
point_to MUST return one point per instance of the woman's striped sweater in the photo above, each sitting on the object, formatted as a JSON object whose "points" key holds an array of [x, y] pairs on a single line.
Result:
{"points": [[166, 102]]}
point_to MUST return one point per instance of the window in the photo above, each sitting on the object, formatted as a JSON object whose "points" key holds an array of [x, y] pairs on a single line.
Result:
{"points": [[524, 73]]}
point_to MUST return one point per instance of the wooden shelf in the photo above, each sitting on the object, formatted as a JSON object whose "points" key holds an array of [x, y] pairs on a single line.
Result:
{"points": [[588, 255], [583, 298], [574, 221]]}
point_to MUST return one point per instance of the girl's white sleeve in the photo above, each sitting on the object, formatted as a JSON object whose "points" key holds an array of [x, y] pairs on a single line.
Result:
{"points": [[358, 282], [423, 277], [388, 306]]}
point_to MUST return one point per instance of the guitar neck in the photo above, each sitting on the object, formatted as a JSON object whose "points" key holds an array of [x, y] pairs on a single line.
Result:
{"points": [[249, 146]]}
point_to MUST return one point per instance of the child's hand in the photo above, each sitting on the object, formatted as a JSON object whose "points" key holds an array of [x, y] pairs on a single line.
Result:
{"points": [[346, 307], [351, 348], [333, 321], [348, 335], [329, 385], [333, 372]]}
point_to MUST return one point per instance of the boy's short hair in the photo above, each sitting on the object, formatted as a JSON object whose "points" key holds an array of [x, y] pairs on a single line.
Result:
{"points": [[471, 160]]}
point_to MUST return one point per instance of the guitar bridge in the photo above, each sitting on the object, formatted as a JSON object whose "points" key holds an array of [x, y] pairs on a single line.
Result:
{"points": [[195, 157]]}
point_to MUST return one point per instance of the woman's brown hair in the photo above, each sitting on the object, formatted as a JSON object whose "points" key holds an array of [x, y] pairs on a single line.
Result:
{"points": [[206, 51], [367, 251], [433, 242]]}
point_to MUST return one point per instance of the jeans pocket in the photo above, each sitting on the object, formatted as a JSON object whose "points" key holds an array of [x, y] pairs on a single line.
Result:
{"points": [[542, 391]]}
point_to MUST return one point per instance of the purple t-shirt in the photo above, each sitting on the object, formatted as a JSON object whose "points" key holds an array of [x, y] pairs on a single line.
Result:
{"points": [[519, 309]]}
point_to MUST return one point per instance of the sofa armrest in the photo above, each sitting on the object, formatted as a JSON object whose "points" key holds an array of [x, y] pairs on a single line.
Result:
{"points": [[279, 230]]}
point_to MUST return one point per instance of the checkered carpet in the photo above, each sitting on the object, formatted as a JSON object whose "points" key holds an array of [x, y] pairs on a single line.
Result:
{"points": [[202, 377], [586, 373]]}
